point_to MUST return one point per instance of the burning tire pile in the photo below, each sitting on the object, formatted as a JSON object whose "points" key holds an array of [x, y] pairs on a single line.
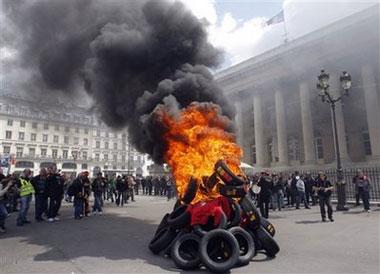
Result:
{"points": [[222, 233]]}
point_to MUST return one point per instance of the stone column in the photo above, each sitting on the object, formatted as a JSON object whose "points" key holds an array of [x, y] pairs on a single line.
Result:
{"points": [[336, 91], [307, 124], [282, 139], [259, 131], [239, 124], [371, 99]]}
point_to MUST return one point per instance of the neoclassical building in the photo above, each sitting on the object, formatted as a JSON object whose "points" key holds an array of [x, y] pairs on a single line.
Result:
{"points": [[38, 135], [283, 123]]}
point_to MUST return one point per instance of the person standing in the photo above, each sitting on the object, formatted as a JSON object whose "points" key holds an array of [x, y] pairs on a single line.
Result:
{"points": [[120, 189], [131, 187], [301, 197], [169, 188], [111, 189], [362, 184], [87, 193], [97, 189], [324, 189], [5, 185], [278, 192], [39, 183], [76, 189], [54, 190], [309, 183], [149, 185], [26, 190], [265, 183]]}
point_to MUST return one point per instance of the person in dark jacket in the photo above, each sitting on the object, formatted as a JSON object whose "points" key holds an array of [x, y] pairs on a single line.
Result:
{"points": [[76, 189], [266, 184], [54, 190], [293, 188], [39, 183], [121, 189], [324, 189], [97, 189], [362, 185], [278, 192], [309, 184], [87, 193]]}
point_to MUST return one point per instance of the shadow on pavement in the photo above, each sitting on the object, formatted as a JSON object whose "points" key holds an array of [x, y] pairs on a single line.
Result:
{"points": [[307, 222], [111, 236]]}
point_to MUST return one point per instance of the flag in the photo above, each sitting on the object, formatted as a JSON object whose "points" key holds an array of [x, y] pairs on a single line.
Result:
{"points": [[278, 18]]}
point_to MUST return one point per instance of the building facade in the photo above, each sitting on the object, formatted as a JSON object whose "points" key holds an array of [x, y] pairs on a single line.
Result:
{"points": [[67, 136], [283, 123]]}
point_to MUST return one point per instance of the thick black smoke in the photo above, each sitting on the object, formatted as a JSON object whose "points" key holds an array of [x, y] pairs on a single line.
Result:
{"points": [[131, 57]]}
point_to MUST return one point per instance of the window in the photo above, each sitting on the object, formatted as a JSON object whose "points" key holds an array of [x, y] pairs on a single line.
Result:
{"points": [[56, 139], [123, 158], [366, 143], [115, 157], [319, 147], [106, 145], [114, 145], [114, 167], [34, 125], [46, 126], [19, 151], [85, 141], [43, 152], [65, 154], [32, 151], [21, 136], [44, 137], [33, 136], [76, 141], [76, 130], [7, 149], [84, 166], [97, 157], [97, 144], [56, 127], [10, 122], [254, 159], [293, 149], [105, 157], [54, 153], [66, 140], [84, 155], [67, 129], [8, 134], [86, 131], [74, 154], [22, 123], [98, 133]]}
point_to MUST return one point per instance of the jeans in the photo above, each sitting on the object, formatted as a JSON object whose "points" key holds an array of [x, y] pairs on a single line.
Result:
{"points": [[365, 197], [78, 207], [301, 197], [278, 200], [40, 205], [325, 200], [97, 202], [264, 206], [54, 205], [3, 214], [24, 208], [120, 198], [170, 192]]}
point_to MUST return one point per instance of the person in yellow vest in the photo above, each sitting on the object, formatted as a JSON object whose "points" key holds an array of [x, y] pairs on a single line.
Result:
{"points": [[26, 190]]}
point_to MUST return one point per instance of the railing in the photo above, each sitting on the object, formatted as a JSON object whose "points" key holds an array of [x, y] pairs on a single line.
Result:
{"points": [[349, 173]]}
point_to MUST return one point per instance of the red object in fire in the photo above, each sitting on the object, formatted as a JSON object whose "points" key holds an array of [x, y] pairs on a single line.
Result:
{"points": [[202, 211]]}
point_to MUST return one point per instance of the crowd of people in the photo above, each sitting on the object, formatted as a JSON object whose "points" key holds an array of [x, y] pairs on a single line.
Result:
{"points": [[50, 187], [272, 189]]}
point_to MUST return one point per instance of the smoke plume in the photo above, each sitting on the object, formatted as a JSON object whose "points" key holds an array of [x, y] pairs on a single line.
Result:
{"points": [[130, 56]]}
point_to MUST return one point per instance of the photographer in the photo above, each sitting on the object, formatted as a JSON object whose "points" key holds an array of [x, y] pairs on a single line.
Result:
{"points": [[324, 189], [5, 185]]}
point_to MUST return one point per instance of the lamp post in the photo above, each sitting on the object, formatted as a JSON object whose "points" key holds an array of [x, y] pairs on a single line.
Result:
{"points": [[327, 97]]}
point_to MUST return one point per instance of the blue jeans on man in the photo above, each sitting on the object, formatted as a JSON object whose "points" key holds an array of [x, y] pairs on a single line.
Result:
{"points": [[278, 200], [97, 202], [3, 214], [78, 208], [24, 208], [40, 205]]}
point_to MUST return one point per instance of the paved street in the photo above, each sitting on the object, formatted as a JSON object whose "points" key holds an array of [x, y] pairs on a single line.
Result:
{"points": [[117, 242]]}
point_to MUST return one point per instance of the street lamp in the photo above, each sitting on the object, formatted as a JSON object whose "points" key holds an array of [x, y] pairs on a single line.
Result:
{"points": [[326, 97]]}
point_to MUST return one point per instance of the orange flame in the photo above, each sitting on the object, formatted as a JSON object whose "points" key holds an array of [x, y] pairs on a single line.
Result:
{"points": [[196, 140]]}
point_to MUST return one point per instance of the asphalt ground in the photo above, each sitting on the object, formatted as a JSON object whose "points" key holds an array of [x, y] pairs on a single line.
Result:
{"points": [[117, 242]]}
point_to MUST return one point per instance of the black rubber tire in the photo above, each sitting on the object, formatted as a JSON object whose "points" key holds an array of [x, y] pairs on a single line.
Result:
{"points": [[246, 245], [191, 191], [226, 175], [255, 239], [201, 231], [179, 218], [162, 240], [250, 210], [232, 191], [268, 243], [268, 226], [163, 224], [184, 251], [236, 217], [215, 245]]}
